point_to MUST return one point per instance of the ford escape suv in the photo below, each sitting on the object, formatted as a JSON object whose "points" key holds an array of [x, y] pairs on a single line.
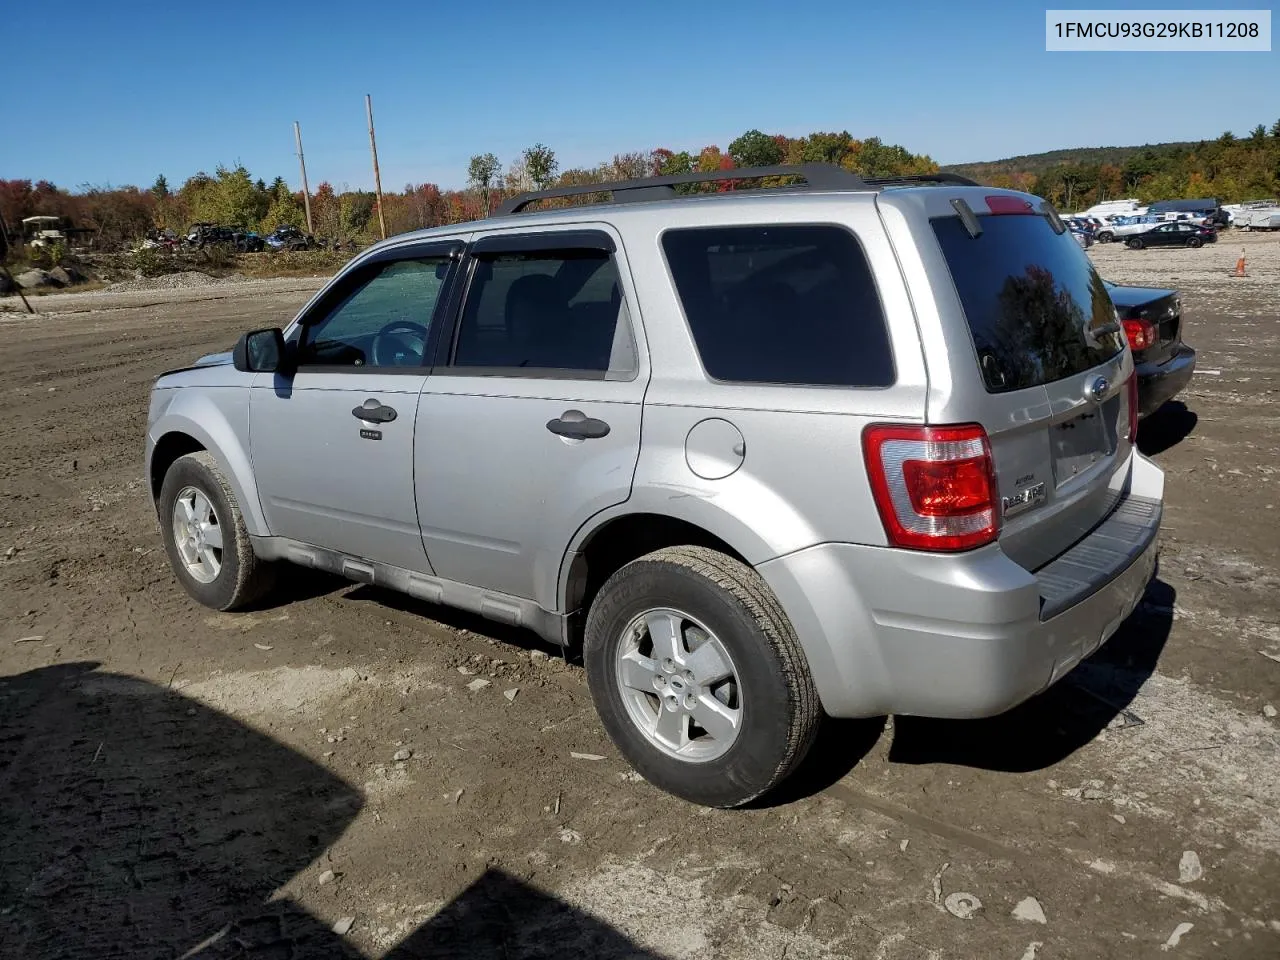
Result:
{"points": [[846, 446]]}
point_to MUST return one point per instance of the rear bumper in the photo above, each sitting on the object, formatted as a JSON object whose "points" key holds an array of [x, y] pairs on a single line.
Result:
{"points": [[965, 635], [1161, 382]]}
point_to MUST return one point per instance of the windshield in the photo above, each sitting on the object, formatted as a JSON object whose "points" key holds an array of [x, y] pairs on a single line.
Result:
{"points": [[1036, 308]]}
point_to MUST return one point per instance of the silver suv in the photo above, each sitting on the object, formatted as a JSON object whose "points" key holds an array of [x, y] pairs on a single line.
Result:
{"points": [[844, 446]]}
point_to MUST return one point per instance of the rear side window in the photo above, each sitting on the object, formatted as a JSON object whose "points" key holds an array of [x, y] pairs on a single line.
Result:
{"points": [[781, 304], [1037, 309]]}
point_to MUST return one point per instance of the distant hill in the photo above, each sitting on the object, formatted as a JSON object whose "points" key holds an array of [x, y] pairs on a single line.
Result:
{"points": [[1038, 163]]}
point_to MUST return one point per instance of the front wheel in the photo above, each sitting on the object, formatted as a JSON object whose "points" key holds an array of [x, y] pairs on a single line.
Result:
{"points": [[698, 677], [206, 538], [1134, 243]]}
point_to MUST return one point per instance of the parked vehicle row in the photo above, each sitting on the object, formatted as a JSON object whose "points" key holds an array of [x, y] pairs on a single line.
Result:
{"points": [[204, 234]]}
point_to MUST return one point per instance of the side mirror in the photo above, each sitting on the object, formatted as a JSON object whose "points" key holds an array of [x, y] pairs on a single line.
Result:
{"points": [[261, 351]]}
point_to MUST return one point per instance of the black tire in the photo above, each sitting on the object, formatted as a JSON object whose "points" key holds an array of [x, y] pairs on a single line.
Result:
{"points": [[1194, 242], [1134, 243], [1106, 236], [780, 711], [243, 577]]}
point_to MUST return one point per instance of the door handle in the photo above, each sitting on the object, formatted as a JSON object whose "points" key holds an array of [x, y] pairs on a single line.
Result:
{"points": [[374, 411], [576, 425]]}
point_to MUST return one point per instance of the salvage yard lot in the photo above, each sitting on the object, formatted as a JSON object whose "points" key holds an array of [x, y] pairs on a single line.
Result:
{"points": [[171, 777]]}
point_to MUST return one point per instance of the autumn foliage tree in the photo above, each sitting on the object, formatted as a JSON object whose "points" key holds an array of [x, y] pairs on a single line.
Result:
{"points": [[231, 196]]}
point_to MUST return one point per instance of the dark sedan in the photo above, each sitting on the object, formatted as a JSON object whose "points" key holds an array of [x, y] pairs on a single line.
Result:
{"points": [[1179, 233], [1152, 321]]}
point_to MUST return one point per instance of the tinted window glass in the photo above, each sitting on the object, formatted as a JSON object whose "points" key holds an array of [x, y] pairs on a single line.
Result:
{"points": [[384, 322], [541, 311], [1037, 309], [781, 304]]}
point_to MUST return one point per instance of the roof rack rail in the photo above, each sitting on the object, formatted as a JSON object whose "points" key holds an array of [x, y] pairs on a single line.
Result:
{"points": [[818, 176], [953, 178]]}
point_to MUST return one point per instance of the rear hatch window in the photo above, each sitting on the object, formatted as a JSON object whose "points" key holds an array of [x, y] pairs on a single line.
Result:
{"points": [[1037, 309]]}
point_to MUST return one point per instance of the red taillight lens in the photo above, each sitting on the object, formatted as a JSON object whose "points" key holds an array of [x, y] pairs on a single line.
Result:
{"points": [[1133, 407], [1141, 334], [935, 487], [1005, 205]]}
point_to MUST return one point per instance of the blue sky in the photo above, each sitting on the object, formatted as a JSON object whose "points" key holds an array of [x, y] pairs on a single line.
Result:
{"points": [[122, 92]]}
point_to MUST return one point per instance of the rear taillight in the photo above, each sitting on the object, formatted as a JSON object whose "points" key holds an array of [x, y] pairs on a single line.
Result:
{"points": [[935, 487], [1133, 407], [1141, 333]]}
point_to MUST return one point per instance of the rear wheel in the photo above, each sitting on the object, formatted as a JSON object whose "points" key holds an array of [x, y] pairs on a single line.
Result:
{"points": [[698, 677], [1106, 236], [205, 536], [1134, 243], [1194, 242]]}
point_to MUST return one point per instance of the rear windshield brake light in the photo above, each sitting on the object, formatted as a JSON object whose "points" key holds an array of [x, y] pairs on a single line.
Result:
{"points": [[1001, 205]]}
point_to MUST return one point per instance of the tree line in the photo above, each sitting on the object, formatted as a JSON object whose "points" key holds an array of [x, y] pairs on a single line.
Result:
{"points": [[1230, 168], [232, 197]]}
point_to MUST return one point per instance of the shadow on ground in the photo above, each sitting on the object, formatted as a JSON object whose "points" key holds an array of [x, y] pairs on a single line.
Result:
{"points": [[139, 823], [1049, 728], [1166, 428]]}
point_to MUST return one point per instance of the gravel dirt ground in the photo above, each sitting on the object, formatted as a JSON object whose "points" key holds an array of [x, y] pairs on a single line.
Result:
{"points": [[325, 776]]}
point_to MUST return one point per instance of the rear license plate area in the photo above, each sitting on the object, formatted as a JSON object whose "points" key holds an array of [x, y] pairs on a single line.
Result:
{"points": [[1083, 441]]}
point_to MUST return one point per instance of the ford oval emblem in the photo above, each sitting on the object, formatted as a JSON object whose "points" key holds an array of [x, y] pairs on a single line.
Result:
{"points": [[1098, 389]]}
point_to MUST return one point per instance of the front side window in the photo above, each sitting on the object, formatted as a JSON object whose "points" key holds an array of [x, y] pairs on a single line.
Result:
{"points": [[384, 322], [543, 310], [781, 304]]}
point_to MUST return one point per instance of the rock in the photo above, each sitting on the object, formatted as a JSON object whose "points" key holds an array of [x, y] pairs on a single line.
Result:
{"points": [[31, 279], [1180, 931], [965, 906], [585, 756], [903, 845], [1267, 711], [66, 276], [1118, 817], [1093, 793], [343, 926], [630, 777], [569, 836], [264, 646], [511, 694], [8, 554], [478, 684], [466, 671], [327, 877], [537, 655], [1189, 869], [1029, 909], [404, 753]]}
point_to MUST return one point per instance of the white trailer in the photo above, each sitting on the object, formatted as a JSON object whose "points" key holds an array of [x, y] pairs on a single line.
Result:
{"points": [[1258, 218]]}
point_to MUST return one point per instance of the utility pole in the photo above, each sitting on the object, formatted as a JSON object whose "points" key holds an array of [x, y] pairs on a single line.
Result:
{"points": [[377, 177], [306, 191]]}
